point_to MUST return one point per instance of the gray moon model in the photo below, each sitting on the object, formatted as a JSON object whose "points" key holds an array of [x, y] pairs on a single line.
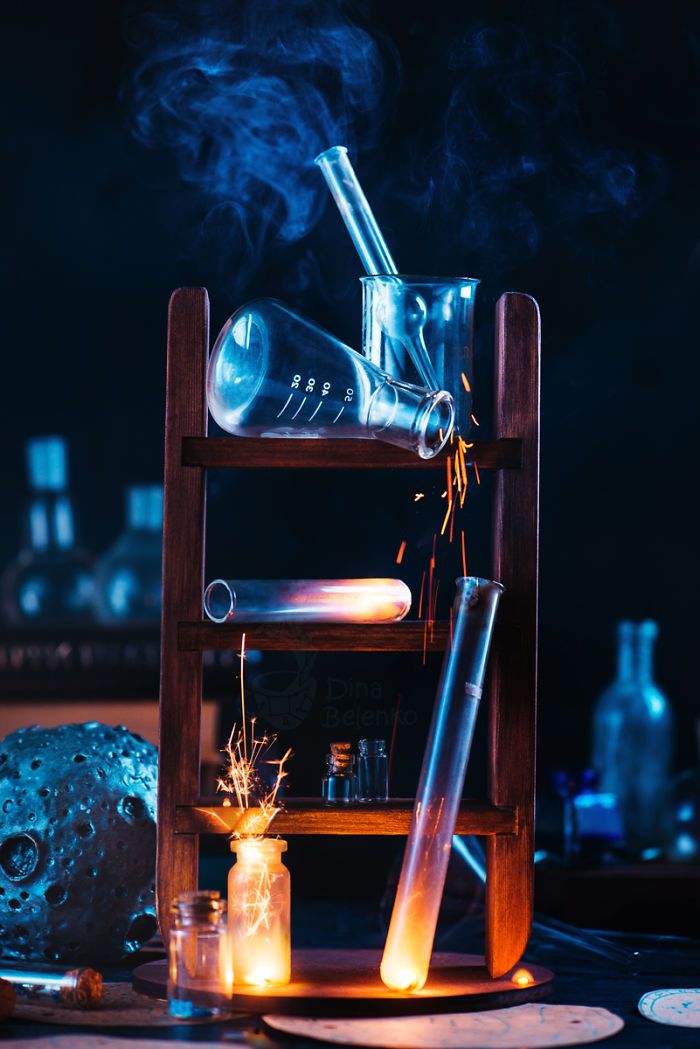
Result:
{"points": [[77, 843]]}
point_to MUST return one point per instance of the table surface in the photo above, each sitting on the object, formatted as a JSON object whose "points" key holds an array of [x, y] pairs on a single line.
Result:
{"points": [[581, 979]]}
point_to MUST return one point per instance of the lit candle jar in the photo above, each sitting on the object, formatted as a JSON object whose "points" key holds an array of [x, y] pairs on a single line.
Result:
{"points": [[259, 913]]}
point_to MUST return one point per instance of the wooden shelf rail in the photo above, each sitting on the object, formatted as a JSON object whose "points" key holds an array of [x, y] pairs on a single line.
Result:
{"points": [[408, 636], [262, 453], [311, 816]]}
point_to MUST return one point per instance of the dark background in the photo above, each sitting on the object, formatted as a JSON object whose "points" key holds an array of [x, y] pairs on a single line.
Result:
{"points": [[549, 148]]}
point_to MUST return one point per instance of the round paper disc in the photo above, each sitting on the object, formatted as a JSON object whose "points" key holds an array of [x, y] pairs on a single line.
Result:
{"points": [[678, 1006], [522, 1027]]}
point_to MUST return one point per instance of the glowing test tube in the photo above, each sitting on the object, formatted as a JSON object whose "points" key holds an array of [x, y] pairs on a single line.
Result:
{"points": [[307, 600], [414, 918], [373, 251]]}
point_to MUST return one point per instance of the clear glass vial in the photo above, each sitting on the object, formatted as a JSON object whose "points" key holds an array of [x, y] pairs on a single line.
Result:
{"points": [[372, 770], [199, 972], [259, 913], [340, 782]]}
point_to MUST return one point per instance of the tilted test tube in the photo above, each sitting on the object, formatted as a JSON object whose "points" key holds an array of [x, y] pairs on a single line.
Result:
{"points": [[414, 918]]}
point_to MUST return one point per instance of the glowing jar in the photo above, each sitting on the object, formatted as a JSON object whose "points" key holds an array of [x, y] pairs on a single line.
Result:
{"points": [[259, 913]]}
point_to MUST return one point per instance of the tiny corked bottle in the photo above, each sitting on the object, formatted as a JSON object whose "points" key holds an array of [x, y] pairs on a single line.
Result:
{"points": [[632, 742], [340, 782]]}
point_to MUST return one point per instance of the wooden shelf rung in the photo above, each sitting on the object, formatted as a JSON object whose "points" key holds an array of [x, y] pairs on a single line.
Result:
{"points": [[311, 816], [407, 636], [319, 454]]}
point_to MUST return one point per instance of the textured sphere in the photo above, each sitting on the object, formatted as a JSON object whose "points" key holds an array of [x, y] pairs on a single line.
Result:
{"points": [[77, 843]]}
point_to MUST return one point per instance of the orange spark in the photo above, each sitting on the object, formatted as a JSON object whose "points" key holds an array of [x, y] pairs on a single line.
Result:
{"points": [[476, 471], [420, 599], [465, 383], [402, 550], [418, 495], [475, 420]]}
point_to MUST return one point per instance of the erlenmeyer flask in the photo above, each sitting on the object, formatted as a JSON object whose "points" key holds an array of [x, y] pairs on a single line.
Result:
{"points": [[275, 374]]}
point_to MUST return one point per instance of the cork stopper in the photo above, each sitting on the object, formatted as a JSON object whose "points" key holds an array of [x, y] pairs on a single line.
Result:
{"points": [[84, 991], [340, 759]]}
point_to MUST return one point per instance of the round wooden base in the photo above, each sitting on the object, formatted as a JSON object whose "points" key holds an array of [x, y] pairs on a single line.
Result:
{"points": [[346, 983]]}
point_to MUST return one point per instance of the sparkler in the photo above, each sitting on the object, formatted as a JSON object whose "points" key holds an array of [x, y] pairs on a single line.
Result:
{"points": [[257, 909]]}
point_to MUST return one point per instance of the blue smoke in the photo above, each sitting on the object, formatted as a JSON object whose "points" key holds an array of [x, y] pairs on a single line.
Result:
{"points": [[526, 151], [245, 96]]}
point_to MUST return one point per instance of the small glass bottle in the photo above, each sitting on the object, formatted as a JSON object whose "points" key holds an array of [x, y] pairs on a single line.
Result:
{"points": [[372, 770], [340, 782], [50, 581], [128, 575], [259, 913], [199, 971], [632, 741]]}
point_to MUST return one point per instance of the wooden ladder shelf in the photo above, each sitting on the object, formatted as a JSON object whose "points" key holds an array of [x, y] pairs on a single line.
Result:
{"points": [[506, 820]]}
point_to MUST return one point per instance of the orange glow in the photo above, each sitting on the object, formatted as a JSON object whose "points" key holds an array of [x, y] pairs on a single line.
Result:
{"points": [[226, 803], [476, 471], [402, 550], [522, 977], [465, 383]]}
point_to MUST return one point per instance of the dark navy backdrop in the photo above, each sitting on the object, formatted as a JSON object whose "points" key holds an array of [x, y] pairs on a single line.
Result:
{"points": [[550, 148]]}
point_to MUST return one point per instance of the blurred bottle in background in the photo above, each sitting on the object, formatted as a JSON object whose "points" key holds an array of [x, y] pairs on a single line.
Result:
{"points": [[128, 575], [684, 844], [633, 742], [50, 580]]}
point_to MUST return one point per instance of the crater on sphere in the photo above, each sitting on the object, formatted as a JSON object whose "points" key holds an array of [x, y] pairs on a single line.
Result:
{"points": [[55, 895], [141, 928], [132, 808], [19, 856]]}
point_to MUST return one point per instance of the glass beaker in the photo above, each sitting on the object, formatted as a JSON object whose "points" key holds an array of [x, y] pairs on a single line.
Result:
{"points": [[275, 374], [437, 310], [259, 913], [199, 970], [307, 600]]}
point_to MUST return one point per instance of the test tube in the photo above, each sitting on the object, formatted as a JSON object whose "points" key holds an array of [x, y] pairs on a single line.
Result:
{"points": [[414, 917], [372, 248], [307, 600], [79, 988]]}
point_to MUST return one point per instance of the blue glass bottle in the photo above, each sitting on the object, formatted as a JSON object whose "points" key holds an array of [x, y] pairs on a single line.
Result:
{"points": [[128, 575], [50, 581], [633, 741]]}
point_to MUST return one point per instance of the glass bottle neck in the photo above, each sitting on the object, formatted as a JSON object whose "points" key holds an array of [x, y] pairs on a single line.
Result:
{"points": [[49, 523], [635, 656]]}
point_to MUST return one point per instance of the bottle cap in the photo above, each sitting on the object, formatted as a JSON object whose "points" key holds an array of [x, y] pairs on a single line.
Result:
{"points": [[144, 507], [47, 466]]}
